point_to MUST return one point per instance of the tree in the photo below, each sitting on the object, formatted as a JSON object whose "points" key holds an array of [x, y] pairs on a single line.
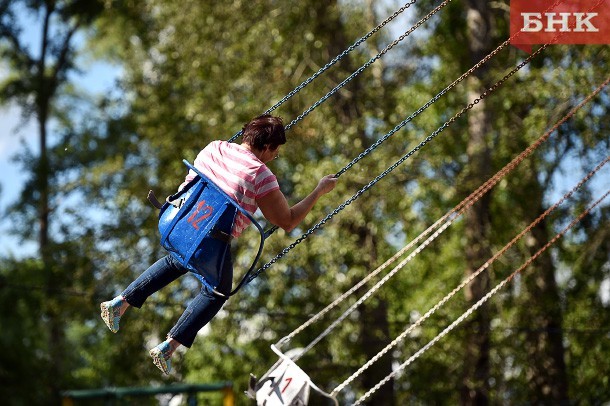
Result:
{"points": [[38, 77], [37, 82], [518, 118], [475, 382]]}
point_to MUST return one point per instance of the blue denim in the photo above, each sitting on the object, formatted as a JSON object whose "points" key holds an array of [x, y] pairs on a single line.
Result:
{"points": [[202, 308]]}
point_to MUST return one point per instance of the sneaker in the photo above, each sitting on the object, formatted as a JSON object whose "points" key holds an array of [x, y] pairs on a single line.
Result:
{"points": [[111, 313], [161, 355]]}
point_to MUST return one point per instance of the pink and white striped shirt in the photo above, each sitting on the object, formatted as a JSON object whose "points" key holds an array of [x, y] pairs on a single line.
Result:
{"points": [[239, 173]]}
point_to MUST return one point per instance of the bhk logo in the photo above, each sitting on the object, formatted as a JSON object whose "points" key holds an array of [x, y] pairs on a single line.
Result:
{"points": [[535, 22]]}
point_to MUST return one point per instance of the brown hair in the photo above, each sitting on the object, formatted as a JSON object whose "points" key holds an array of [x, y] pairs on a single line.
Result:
{"points": [[265, 130]]}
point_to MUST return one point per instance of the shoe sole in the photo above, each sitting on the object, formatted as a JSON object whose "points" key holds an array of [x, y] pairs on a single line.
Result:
{"points": [[107, 317], [159, 361]]}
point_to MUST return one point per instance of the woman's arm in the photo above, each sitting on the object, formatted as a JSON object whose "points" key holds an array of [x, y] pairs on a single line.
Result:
{"points": [[276, 209]]}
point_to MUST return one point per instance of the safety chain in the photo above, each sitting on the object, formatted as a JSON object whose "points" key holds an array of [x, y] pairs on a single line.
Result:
{"points": [[480, 302], [466, 281], [397, 163], [332, 62], [448, 219]]}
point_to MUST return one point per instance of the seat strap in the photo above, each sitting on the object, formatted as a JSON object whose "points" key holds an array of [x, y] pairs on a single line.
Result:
{"points": [[177, 203], [153, 200]]}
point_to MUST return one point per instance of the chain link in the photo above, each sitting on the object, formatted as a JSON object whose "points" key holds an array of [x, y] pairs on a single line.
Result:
{"points": [[352, 76], [366, 65]]}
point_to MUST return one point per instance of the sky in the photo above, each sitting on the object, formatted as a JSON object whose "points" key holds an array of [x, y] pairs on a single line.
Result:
{"points": [[11, 174], [14, 132], [97, 78]]}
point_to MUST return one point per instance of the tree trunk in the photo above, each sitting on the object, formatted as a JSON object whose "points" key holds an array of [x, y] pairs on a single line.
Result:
{"points": [[475, 388], [43, 100], [542, 314], [374, 336], [44, 96]]}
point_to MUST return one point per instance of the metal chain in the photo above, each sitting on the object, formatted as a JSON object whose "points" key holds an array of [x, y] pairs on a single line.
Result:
{"points": [[446, 220], [419, 111], [367, 64], [479, 303], [397, 163], [332, 62], [422, 108], [466, 281], [435, 98], [356, 73]]}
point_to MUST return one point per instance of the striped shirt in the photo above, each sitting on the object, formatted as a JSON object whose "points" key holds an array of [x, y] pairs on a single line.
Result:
{"points": [[239, 173]]}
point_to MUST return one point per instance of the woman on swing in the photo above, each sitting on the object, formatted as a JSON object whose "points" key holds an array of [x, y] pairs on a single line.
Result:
{"points": [[241, 171]]}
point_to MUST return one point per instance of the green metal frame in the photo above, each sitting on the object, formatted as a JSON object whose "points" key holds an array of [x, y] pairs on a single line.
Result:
{"points": [[69, 396]]}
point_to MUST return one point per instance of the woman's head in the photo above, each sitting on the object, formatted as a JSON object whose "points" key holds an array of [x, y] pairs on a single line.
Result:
{"points": [[265, 131]]}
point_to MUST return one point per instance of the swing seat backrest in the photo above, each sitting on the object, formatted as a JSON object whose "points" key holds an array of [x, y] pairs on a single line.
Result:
{"points": [[285, 384], [195, 226]]}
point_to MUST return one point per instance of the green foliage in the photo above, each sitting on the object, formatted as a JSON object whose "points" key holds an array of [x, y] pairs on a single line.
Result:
{"points": [[196, 71], [26, 337]]}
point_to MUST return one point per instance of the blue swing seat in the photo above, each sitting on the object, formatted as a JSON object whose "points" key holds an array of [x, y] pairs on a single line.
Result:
{"points": [[195, 226]]}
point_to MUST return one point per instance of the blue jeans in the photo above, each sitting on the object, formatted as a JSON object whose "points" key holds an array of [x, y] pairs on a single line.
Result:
{"points": [[201, 309]]}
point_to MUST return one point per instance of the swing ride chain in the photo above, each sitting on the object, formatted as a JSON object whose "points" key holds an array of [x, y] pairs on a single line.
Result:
{"points": [[366, 65], [332, 62], [356, 73], [416, 113], [421, 109], [466, 281], [435, 98], [479, 303], [446, 221], [397, 163]]}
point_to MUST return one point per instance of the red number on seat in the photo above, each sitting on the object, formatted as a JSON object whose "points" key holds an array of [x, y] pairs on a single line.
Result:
{"points": [[202, 212], [288, 380]]}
